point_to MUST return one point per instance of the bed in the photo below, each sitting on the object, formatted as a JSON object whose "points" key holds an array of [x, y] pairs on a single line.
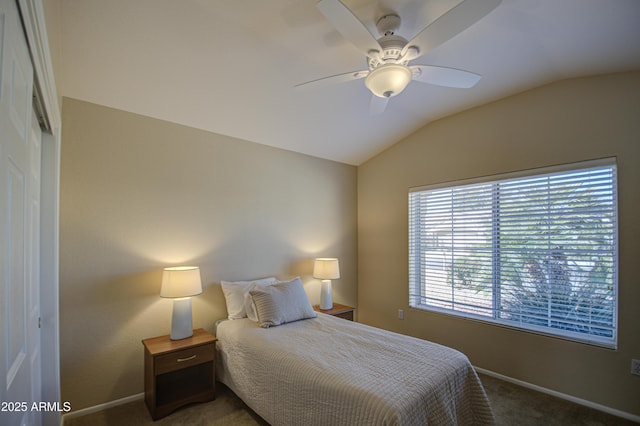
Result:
{"points": [[323, 370]]}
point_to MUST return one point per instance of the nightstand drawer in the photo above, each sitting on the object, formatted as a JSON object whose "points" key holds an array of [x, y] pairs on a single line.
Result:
{"points": [[184, 358]]}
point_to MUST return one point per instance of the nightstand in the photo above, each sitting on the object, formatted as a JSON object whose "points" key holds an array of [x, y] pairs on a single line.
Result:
{"points": [[178, 372], [338, 310]]}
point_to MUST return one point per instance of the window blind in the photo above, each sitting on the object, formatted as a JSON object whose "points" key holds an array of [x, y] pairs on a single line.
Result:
{"points": [[536, 250]]}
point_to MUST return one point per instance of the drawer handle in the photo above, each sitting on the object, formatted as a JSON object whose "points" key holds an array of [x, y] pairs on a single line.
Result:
{"points": [[187, 359]]}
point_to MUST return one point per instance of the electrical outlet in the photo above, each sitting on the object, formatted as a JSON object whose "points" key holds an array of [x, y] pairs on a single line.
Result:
{"points": [[400, 314], [635, 367]]}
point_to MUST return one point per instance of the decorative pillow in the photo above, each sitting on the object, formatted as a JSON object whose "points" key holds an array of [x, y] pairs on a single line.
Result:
{"points": [[234, 292], [248, 302], [281, 303]]}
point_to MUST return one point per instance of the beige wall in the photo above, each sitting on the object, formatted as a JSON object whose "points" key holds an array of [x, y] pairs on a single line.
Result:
{"points": [[568, 121], [139, 194]]}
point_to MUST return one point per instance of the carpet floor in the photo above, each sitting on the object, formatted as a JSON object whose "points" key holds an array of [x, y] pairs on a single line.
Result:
{"points": [[512, 405]]}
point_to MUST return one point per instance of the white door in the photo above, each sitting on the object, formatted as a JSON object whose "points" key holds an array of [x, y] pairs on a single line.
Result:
{"points": [[19, 227]]}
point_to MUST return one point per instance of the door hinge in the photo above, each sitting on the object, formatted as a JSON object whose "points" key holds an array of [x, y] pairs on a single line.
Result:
{"points": [[39, 322]]}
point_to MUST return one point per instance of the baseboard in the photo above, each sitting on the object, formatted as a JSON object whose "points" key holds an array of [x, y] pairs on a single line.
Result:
{"points": [[101, 407], [580, 401]]}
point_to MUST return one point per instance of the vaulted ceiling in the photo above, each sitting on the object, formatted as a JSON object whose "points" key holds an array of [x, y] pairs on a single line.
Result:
{"points": [[231, 66]]}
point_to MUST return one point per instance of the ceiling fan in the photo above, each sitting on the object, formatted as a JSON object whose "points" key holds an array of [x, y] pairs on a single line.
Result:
{"points": [[388, 57]]}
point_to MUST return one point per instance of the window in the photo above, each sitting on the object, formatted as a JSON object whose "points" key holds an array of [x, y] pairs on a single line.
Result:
{"points": [[535, 250]]}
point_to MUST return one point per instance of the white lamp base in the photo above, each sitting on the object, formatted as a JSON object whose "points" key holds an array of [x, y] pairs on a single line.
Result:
{"points": [[181, 325], [326, 301]]}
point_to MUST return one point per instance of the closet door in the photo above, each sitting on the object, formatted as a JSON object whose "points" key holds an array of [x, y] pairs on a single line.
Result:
{"points": [[19, 227]]}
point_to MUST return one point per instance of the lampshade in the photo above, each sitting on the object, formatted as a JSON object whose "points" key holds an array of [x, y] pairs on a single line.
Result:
{"points": [[326, 268], [181, 281], [388, 80]]}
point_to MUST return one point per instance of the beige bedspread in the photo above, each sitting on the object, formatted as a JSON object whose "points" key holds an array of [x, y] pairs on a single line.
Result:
{"points": [[329, 371]]}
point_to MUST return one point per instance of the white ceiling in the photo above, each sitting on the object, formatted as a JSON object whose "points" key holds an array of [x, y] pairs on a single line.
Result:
{"points": [[230, 66]]}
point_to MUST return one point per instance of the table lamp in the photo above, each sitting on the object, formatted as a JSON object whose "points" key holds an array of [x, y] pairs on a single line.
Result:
{"points": [[326, 269], [180, 283]]}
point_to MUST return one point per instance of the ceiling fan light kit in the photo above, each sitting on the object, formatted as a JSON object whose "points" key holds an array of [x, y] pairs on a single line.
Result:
{"points": [[388, 80], [388, 57]]}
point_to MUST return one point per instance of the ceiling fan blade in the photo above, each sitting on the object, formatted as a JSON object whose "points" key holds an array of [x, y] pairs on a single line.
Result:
{"points": [[377, 105], [443, 76], [348, 25], [452, 23], [334, 79]]}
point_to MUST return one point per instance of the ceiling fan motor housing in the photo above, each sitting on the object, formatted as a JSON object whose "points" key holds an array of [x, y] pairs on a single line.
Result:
{"points": [[392, 46]]}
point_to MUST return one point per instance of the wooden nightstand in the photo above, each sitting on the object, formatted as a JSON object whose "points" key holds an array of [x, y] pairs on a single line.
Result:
{"points": [[338, 310], [178, 372]]}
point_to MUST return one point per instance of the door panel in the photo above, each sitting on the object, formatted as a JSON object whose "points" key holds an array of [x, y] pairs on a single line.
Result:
{"points": [[15, 321], [19, 225]]}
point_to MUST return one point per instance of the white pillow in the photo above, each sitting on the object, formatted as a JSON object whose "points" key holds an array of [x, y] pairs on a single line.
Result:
{"points": [[281, 303], [234, 292]]}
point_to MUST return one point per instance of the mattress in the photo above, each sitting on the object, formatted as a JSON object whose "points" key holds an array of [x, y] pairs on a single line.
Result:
{"points": [[330, 371]]}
